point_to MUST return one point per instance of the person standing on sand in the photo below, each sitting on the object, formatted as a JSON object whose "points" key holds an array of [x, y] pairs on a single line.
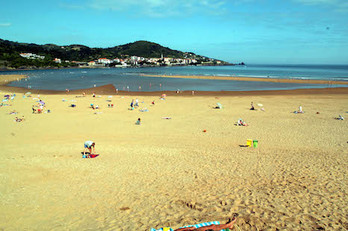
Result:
{"points": [[89, 145], [132, 103]]}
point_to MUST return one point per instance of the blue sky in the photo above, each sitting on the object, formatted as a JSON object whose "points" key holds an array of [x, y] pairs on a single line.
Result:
{"points": [[253, 31]]}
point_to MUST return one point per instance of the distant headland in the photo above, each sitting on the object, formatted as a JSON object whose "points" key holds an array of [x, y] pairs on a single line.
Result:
{"points": [[14, 55]]}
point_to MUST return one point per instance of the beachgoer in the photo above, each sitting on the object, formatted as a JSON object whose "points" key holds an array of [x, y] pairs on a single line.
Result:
{"points": [[138, 121], [89, 145], [19, 119], [252, 106], [93, 95], [132, 103], [136, 103], [340, 117], [241, 123], [33, 108], [153, 102], [300, 109], [228, 225]]}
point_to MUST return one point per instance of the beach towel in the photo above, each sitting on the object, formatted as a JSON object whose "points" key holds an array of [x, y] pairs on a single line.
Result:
{"points": [[162, 229], [196, 226], [203, 224], [93, 155]]}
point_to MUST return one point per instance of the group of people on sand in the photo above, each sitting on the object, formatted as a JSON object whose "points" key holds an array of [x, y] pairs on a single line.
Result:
{"points": [[134, 104], [38, 109]]}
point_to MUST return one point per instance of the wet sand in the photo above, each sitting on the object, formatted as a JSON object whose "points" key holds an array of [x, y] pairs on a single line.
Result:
{"points": [[168, 172]]}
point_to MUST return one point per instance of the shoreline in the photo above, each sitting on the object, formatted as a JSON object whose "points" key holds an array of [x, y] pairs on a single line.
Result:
{"points": [[109, 89], [253, 79]]}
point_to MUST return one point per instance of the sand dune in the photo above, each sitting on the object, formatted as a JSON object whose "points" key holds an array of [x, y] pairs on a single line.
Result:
{"points": [[167, 172]]}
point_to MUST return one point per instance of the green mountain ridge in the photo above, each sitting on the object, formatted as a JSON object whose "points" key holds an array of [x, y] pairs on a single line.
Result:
{"points": [[9, 53]]}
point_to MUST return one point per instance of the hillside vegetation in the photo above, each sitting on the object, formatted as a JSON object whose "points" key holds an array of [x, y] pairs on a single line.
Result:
{"points": [[10, 53]]}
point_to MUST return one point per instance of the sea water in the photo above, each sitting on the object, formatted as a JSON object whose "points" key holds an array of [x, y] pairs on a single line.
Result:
{"points": [[131, 79]]}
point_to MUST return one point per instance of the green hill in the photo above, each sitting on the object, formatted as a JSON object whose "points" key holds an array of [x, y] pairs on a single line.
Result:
{"points": [[9, 53]]}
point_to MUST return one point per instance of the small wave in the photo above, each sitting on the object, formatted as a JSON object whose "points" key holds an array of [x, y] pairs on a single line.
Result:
{"points": [[258, 76], [224, 75]]}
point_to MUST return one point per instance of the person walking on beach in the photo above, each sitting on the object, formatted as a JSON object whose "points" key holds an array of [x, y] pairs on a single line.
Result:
{"points": [[89, 145], [132, 103]]}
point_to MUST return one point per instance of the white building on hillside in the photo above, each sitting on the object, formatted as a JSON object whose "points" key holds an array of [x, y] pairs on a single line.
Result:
{"points": [[56, 60], [104, 61]]}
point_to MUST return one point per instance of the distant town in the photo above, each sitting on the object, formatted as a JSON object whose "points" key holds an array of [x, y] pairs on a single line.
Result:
{"points": [[133, 61]]}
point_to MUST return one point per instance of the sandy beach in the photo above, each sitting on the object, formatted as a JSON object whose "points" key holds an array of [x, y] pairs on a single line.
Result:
{"points": [[167, 171]]}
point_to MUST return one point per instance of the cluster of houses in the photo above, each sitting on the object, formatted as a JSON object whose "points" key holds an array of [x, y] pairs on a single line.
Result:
{"points": [[132, 61], [31, 56], [140, 61]]}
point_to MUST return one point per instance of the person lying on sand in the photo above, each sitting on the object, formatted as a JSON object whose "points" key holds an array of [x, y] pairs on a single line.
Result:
{"points": [[241, 123], [19, 119], [340, 117], [89, 145], [228, 225]]}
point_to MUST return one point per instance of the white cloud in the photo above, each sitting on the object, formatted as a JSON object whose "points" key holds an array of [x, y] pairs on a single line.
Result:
{"points": [[160, 8], [5, 24]]}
